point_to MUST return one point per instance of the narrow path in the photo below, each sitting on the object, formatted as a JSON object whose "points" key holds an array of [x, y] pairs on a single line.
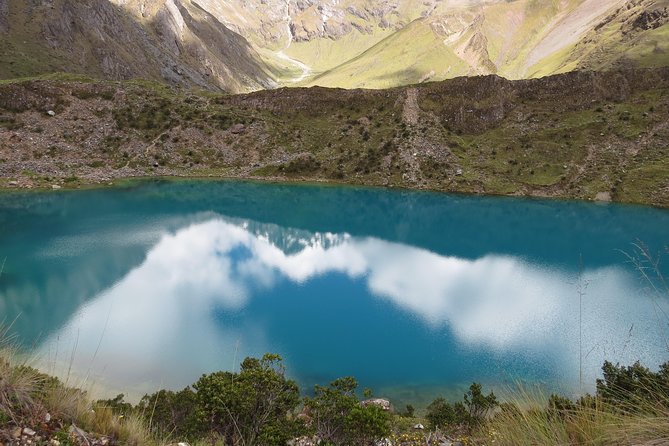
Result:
{"points": [[408, 150], [411, 109]]}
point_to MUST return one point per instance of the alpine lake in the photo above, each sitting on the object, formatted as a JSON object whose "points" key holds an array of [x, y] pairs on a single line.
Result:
{"points": [[150, 284]]}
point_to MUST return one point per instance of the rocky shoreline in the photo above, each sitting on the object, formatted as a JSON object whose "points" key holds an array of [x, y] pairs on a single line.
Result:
{"points": [[587, 136]]}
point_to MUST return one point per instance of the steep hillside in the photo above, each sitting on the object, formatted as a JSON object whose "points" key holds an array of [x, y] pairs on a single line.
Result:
{"points": [[513, 39], [635, 34], [580, 135], [243, 45], [412, 55], [364, 43], [171, 40]]}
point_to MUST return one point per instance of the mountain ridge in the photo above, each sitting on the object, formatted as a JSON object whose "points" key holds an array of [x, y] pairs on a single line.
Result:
{"points": [[238, 46], [582, 135]]}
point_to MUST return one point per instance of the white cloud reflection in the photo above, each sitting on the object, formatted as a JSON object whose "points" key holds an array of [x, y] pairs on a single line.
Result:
{"points": [[163, 308]]}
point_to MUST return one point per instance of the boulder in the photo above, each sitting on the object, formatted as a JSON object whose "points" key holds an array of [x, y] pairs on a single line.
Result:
{"points": [[304, 441], [15, 433], [381, 402], [237, 128], [603, 196]]}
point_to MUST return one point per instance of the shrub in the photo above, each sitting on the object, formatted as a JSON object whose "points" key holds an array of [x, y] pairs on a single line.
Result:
{"points": [[340, 419], [627, 387], [409, 411], [251, 407], [470, 413], [117, 404], [479, 405], [366, 424], [173, 414], [440, 414]]}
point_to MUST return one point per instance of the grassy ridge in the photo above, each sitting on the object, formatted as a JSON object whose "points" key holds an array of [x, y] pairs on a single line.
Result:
{"points": [[578, 135]]}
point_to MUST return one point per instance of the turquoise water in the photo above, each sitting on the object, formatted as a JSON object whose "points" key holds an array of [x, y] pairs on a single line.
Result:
{"points": [[150, 285]]}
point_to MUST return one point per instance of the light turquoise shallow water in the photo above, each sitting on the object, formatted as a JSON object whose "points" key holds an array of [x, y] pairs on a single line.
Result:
{"points": [[150, 285]]}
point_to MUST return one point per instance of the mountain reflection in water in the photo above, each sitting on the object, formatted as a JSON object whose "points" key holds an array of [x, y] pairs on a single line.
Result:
{"points": [[214, 291]]}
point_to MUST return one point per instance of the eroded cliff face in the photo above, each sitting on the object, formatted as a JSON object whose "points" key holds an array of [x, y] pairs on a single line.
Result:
{"points": [[168, 40], [273, 22]]}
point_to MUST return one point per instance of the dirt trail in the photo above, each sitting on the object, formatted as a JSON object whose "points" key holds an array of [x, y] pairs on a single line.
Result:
{"points": [[411, 110]]}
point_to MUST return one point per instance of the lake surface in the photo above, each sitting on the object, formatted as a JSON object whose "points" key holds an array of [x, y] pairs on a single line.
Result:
{"points": [[150, 285]]}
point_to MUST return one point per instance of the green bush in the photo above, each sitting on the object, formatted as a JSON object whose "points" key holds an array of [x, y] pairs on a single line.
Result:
{"points": [[338, 418], [627, 387], [440, 414], [366, 424], [479, 405], [409, 412], [559, 405], [251, 407], [470, 413], [118, 405], [173, 414]]}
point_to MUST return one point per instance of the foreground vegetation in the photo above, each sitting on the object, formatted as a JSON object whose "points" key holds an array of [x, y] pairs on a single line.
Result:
{"points": [[259, 405], [579, 135]]}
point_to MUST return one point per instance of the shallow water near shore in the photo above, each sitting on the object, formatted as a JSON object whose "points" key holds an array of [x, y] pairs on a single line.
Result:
{"points": [[152, 284]]}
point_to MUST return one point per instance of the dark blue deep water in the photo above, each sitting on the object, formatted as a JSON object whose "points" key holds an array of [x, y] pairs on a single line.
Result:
{"points": [[152, 284]]}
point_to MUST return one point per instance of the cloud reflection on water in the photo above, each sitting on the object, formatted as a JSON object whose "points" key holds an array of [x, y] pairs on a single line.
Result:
{"points": [[159, 317]]}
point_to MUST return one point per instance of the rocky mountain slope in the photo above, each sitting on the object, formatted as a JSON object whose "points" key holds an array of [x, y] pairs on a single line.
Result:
{"points": [[379, 44], [517, 40], [580, 135], [243, 45], [170, 40]]}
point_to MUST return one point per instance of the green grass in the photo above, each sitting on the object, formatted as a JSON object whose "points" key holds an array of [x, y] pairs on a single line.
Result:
{"points": [[558, 62], [524, 421], [651, 49], [325, 54], [408, 56]]}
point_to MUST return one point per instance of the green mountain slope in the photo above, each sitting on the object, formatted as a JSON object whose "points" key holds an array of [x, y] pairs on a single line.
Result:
{"points": [[520, 39], [636, 34], [408, 56]]}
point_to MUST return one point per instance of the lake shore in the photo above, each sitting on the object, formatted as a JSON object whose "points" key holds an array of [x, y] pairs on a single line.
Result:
{"points": [[563, 136]]}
